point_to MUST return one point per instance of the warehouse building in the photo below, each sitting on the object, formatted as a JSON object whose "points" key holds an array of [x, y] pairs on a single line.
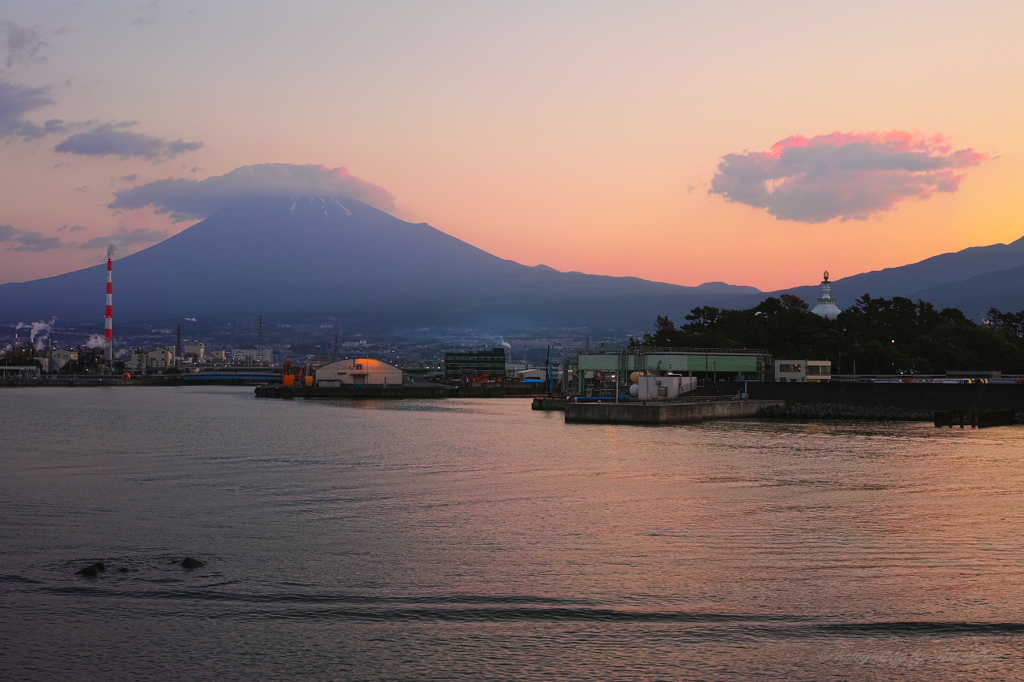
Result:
{"points": [[358, 372]]}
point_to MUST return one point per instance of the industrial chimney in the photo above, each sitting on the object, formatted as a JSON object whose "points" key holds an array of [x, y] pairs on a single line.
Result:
{"points": [[108, 318]]}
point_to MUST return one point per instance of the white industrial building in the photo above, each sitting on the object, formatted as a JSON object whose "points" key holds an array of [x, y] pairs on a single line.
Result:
{"points": [[158, 360], [667, 387], [358, 372], [196, 350], [803, 370], [60, 357]]}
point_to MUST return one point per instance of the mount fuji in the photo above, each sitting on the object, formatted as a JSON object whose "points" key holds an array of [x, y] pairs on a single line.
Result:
{"points": [[297, 257]]}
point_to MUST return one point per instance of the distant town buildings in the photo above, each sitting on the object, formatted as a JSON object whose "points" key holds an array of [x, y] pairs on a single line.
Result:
{"points": [[254, 355], [165, 358]]}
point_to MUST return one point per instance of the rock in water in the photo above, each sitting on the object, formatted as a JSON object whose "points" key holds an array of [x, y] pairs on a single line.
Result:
{"points": [[93, 570], [189, 562]]}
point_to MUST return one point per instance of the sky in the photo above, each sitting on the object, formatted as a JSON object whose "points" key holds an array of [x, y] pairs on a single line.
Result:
{"points": [[748, 142]]}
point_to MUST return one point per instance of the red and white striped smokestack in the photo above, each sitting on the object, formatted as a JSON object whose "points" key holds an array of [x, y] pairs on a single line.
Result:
{"points": [[108, 318]]}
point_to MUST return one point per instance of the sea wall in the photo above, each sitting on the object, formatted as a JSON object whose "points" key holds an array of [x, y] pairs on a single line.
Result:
{"points": [[903, 401], [664, 413], [830, 411]]}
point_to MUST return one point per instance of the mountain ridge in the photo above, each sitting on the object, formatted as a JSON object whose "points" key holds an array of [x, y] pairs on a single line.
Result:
{"points": [[967, 279], [295, 257]]}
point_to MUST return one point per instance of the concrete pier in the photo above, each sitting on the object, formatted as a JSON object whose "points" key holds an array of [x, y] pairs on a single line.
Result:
{"points": [[664, 413], [549, 403]]}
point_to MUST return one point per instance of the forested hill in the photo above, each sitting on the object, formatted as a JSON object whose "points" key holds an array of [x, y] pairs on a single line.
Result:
{"points": [[877, 335]]}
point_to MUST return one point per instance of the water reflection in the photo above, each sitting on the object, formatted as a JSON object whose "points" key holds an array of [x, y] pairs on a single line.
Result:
{"points": [[472, 537]]}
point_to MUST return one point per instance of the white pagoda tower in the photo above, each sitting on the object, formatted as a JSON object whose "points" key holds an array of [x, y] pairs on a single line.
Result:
{"points": [[826, 304]]}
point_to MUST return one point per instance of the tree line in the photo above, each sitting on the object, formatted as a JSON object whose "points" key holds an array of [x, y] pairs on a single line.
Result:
{"points": [[873, 336]]}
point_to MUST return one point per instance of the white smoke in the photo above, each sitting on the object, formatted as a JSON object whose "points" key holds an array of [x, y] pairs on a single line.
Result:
{"points": [[189, 319], [39, 332], [96, 341]]}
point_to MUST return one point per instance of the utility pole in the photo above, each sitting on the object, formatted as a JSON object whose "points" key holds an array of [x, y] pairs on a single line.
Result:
{"points": [[177, 346], [259, 340], [549, 380]]}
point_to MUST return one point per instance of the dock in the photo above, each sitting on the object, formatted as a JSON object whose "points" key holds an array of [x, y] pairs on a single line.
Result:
{"points": [[405, 392]]}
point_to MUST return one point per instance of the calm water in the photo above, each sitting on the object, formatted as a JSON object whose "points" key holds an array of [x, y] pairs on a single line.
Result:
{"points": [[478, 539]]}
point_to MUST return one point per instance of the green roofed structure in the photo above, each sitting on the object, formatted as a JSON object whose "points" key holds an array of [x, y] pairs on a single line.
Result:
{"points": [[592, 371]]}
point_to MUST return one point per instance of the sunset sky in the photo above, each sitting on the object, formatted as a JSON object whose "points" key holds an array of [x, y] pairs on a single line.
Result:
{"points": [[755, 143]]}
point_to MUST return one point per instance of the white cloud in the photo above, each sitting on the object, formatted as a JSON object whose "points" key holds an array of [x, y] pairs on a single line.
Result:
{"points": [[111, 139], [18, 100], [22, 240], [141, 235], [197, 199], [22, 45]]}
